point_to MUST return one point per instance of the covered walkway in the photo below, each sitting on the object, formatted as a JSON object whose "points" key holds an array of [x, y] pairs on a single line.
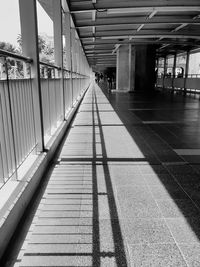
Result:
{"points": [[124, 190]]}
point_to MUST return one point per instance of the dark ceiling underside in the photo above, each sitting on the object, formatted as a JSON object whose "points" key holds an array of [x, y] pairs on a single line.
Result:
{"points": [[103, 25]]}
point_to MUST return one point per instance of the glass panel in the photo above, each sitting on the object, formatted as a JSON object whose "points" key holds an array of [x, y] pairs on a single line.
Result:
{"points": [[180, 65], [169, 65], [194, 64]]}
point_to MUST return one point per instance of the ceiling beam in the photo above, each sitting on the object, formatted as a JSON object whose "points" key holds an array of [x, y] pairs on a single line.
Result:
{"points": [[149, 34], [138, 42], [139, 9], [84, 24]]}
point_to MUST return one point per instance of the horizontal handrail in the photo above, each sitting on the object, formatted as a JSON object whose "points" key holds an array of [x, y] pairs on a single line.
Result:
{"points": [[50, 65], [5, 53]]}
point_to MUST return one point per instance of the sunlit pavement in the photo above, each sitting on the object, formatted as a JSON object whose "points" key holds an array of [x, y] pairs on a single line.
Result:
{"points": [[125, 190]]}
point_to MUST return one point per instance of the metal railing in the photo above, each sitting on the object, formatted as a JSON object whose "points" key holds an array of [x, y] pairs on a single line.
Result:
{"points": [[17, 133], [189, 84], [59, 91]]}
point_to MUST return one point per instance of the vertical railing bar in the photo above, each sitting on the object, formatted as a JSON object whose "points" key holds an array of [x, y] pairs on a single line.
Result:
{"points": [[55, 98], [28, 114], [32, 106], [11, 118], [31, 115], [24, 119], [5, 136], [25, 116], [21, 118], [49, 98], [1, 167], [14, 123], [19, 124], [3, 133]]}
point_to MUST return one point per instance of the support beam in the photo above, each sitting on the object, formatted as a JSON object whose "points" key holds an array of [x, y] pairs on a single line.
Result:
{"points": [[29, 33], [129, 21], [139, 9], [58, 46]]}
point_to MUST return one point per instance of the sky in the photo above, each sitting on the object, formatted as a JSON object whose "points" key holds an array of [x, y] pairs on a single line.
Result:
{"points": [[10, 21]]}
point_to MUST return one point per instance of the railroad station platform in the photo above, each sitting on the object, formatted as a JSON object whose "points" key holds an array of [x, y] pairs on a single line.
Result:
{"points": [[124, 190]]}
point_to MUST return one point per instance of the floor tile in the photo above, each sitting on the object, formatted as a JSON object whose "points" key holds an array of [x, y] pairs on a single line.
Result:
{"points": [[156, 255], [143, 231], [173, 208], [191, 252], [185, 230]]}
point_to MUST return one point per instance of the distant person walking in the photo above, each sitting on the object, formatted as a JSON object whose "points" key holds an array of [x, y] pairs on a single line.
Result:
{"points": [[110, 80]]}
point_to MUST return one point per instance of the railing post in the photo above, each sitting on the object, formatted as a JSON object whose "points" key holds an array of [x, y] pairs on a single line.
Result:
{"points": [[29, 31], [186, 71], [165, 69], [174, 71]]}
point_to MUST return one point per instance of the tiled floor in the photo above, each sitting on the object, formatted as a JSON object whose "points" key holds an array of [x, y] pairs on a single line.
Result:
{"points": [[126, 188]]}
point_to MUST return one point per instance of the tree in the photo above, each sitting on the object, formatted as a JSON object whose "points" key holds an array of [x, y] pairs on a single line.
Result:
{"points": [[42, 45], [8, 47], [15, 67]]}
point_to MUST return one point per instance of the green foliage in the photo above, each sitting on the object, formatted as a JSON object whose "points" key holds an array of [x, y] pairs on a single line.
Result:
{"points": [[8, 47], [43, 47]]}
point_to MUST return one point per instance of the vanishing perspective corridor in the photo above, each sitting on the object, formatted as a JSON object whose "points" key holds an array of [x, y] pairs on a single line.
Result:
{"points": [[124, 190]]}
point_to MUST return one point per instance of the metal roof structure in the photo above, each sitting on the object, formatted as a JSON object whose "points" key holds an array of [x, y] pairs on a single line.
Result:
{"points": [[104, 25]]}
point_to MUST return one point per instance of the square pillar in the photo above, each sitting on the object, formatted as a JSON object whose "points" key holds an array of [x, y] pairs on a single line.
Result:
{"points": [[145, 63], [29, 33], [125, 68]]}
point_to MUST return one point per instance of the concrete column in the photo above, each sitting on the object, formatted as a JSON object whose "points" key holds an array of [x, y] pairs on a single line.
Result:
{"points": [[73, 48], [29, 33], [68, 45], [145, 62], [125, 68], [136, 68], [57, 33], [67, 34], [58, 46]]}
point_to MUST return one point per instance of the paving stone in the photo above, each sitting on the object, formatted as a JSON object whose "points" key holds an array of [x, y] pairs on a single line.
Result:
{"points": [[137, 202], [68, 196], [69, 186], [62, 229], [64, 201], [66, 207], [142, 231], [60, 239], [159, 179], [178, 208], [64, 221], [185, 230], [152, 169], [56, 261], [156, 255], [68, 191], [191, 252], [168, 191], [64, 214], [58, 248]]}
